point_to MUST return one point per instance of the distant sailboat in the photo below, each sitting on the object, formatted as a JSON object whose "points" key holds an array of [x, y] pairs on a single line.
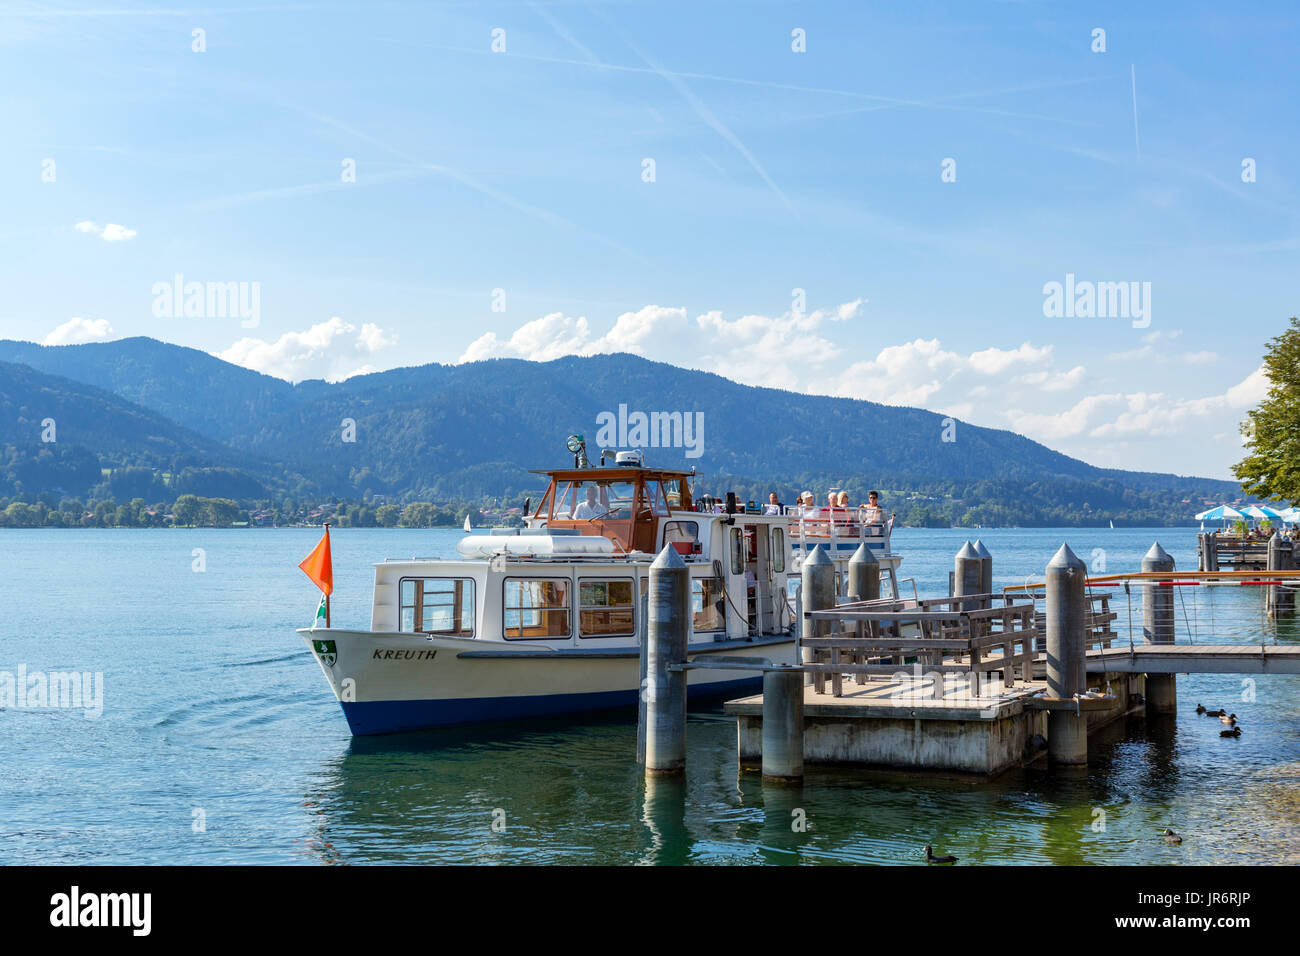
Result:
{"points": [[468, 526], [1112, 525]]}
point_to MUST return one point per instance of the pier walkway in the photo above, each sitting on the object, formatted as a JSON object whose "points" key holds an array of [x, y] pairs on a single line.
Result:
{"points": [[1196, 659]]}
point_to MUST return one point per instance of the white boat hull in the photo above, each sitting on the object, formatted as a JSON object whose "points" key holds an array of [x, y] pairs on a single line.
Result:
{"points": [[392, 682]]}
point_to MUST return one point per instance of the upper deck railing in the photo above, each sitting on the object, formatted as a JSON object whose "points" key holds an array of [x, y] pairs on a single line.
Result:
{"points": [[811, 526]]}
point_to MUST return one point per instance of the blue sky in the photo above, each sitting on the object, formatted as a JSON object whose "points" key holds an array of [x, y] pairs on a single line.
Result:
{"points": [[524, 171]]}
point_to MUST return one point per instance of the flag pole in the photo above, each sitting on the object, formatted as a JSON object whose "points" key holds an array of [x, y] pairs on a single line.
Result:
{"points": [[327, 597]]}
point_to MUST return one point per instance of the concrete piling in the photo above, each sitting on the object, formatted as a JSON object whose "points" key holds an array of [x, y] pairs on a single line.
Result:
{"points": [[864, 584], [966, 575], [1066, 600], [818, 594], [1158, 628], [986, 569], [783, 725], [1281, 557], [864, 574], [665, 690], [642, 636]]}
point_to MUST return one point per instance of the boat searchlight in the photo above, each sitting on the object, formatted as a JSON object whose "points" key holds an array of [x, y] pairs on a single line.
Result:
{"points": [[577, 444]]}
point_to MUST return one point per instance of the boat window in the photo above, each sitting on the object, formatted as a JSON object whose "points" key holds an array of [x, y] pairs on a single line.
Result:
{"points": [[564, 499], [778, 550], [707, 604], [681, 532], [737, 551], [673, 492], [605, 608], [591, 500], [655, 495], [437, 606], [536, 608]]}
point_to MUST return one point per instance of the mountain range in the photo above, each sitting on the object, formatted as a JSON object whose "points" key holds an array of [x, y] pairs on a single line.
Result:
{"points": [[140, 415]]}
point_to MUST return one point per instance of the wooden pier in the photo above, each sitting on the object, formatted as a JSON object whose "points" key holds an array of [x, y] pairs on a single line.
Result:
{"points": [[1217, 550], [982, 682]]}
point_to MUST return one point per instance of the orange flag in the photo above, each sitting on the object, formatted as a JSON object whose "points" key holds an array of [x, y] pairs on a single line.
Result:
{"points": [[319, 567]]}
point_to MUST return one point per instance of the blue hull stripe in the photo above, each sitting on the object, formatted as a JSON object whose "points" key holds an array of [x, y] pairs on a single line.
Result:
{"points": [[393, 716]]}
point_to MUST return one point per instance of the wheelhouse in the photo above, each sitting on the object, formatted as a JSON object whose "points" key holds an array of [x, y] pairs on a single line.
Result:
{"points": [[627, 504]]}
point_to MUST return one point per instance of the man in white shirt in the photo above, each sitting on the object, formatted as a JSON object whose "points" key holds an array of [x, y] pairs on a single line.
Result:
{"points": [[586, 510], [773, 506]]}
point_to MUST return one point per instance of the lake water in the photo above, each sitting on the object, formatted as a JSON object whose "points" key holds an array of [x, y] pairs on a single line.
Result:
{"points": [[219, 741]]}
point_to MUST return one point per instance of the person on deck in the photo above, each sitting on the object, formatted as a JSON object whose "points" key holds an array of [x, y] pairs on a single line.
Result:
{"points": [[773, 506], [872, 512]]}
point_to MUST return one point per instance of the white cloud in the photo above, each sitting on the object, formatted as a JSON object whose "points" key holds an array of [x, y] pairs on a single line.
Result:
{"points": [[762, 349], [109, 233], [1143, 415], [1252, 390], [1021, 387], [1072, 421], [1050, 381], [78, 330], [327, 350], [907, 374], [994, 361]]}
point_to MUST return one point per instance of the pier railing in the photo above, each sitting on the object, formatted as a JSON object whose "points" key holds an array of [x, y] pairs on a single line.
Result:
{"points": [[882, 637], [1199, 607]]}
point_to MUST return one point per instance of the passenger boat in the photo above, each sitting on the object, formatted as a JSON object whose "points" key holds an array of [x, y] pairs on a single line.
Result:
{"points": [[546, 619]]}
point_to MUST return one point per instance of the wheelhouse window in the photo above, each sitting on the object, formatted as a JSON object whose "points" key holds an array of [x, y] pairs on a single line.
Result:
{"points": [[605, 608], [673, 492], [437, 606], [536, 608], [708, 604], [737, 551], [778, 550], [591, 500], [655, 499]]}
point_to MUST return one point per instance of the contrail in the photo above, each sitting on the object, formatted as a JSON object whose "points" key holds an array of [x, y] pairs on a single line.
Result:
{"points": [[938, 104], [563, 33], [704, 113]]}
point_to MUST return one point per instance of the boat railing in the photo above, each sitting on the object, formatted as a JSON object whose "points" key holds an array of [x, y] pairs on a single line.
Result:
{"points": [[813, 527]]}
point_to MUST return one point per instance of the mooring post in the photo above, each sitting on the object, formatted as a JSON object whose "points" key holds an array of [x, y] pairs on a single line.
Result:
{"points": [[864, 581], [665, 689], [783, 725], [966, 574], [642, 636], [1067, 731], [1281, 557], [986, 571], [818, 592], [864, 574], [1158, 628]]}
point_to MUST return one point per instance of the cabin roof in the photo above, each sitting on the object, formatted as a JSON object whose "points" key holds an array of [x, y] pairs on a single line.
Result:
{"points": [[612, 471]]}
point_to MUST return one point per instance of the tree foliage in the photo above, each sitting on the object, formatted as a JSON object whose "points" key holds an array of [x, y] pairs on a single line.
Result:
{"points": [[1271, 468]]}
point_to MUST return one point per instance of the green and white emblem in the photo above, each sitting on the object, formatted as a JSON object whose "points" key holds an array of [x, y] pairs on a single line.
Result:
{"points": [[326, 651]]}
